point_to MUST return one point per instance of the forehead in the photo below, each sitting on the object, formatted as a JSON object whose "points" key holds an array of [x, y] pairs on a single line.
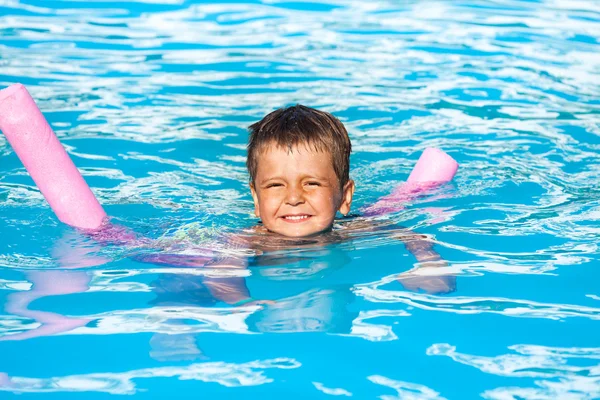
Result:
{"points": [[300, 159]]}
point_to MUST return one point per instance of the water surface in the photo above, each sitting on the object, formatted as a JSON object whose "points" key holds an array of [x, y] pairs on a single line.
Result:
{"points": [[152, 99]]}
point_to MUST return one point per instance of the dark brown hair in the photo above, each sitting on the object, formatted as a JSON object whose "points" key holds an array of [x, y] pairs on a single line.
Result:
{"points": [[292, 126]]}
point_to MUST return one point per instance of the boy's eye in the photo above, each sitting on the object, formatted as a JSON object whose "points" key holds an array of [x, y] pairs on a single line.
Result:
{"points": [[270, 185], [313, 183]]}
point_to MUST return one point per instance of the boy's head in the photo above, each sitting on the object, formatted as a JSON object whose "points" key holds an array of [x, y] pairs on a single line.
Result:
{"points": [[299, 161]]}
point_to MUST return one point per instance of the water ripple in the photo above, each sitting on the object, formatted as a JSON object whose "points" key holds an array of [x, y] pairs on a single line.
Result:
{"points": [[473, 305], [555, 369], [226, 374], [152, 98]]}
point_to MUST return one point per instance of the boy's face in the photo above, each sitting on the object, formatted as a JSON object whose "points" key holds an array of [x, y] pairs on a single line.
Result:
{"points": [[297, 193]]}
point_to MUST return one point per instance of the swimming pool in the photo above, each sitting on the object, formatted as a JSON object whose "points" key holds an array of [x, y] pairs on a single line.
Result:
{"points": [[152, 99]]}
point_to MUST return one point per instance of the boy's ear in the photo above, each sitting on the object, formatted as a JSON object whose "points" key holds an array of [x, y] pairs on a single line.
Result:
{"points": [[347, 193], [255, 198]]}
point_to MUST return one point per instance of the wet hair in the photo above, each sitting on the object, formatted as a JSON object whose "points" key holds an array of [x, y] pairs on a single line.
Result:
{"points": [[300, 125]]}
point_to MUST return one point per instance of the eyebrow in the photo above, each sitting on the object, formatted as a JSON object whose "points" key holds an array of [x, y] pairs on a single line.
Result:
{"points": [[274, 178]]}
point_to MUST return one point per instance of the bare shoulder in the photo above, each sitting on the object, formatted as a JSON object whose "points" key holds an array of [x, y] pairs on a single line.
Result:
{"points": [[364, 224], [367, 226], [261, 240]]}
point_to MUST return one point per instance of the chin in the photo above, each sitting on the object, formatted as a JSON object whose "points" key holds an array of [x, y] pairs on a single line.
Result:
{"points": [[302, 232]]}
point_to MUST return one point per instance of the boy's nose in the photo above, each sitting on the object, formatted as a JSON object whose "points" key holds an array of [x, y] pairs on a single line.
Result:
{"points": [[294, 196]]}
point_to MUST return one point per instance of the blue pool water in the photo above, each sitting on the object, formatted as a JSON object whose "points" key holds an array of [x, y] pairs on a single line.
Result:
{"points": [[152, 98]]}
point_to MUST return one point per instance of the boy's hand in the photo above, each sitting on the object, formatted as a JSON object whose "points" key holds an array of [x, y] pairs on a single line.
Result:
{"points": [[432, 284], [429, 284]]}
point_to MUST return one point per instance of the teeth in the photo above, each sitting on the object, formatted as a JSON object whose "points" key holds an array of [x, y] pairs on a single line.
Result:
{"points": [[296, 217]]}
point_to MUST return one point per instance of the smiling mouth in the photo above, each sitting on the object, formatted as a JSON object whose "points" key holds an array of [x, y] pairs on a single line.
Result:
{"points": [[296, 218]]}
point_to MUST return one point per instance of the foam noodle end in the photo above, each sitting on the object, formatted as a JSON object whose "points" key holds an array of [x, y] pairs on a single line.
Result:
{"points": [[9, 91], [434, 165]]}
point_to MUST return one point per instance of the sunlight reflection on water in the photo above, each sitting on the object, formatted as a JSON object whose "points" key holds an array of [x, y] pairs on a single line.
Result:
{"points": [[151, 99]]}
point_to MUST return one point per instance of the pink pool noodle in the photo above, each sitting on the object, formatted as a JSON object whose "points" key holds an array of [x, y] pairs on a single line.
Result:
{"points": [[47, 161], [433, 168]]}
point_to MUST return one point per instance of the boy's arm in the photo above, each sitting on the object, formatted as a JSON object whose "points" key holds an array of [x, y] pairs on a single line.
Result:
{"points": [[231, 290], [227, 289], [422, 249]]}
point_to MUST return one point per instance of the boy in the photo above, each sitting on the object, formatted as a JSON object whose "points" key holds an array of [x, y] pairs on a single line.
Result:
{"points": [[299, 162]]}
